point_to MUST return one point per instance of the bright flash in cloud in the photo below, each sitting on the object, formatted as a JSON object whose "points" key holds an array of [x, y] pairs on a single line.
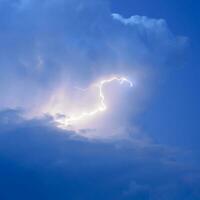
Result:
{"points": [[100, 108]]}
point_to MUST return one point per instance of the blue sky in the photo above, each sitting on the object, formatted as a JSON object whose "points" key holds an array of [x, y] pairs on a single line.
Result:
{"points": [[145, 146]]}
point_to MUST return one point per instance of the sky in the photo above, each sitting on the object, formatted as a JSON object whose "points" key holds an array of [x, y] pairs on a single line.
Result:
{"points": [[54, 56]]}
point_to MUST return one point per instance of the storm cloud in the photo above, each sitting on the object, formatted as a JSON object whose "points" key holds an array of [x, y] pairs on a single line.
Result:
{"points": [[50, 47], [39, 160]]}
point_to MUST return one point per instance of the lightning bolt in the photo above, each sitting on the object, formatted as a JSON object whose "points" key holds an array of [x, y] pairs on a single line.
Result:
{"points": [[102, 106]]}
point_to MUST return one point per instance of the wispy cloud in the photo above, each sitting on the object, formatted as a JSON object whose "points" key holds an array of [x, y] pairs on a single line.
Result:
{"points": [[140, 20]]}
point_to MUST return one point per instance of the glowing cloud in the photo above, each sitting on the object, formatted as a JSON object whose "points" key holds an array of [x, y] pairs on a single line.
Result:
{"points": [[100, 108]]}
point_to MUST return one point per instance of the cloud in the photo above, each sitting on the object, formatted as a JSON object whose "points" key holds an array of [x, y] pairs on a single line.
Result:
{"points": [[155, 35], [141, 21], [48, 48], [38, 159]]}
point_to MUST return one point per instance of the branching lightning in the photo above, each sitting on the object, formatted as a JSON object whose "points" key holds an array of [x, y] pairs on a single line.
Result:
{"points": [[102, 106]]}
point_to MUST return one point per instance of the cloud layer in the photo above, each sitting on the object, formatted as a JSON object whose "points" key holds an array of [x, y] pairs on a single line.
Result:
{"points": [[38, 160], [50, 47]]}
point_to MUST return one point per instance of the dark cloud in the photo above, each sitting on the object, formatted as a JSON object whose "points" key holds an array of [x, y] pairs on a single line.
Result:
{"points": [[38, 160]]}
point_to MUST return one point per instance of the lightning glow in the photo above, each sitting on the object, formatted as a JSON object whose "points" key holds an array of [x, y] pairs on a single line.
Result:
{"points": [[101, 107]]}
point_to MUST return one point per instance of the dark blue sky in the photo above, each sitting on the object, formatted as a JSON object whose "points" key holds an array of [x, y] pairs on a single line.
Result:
{"points": [[146, 147]]}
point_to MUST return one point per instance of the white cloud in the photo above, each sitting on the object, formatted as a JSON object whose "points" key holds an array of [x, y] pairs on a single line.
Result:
{"points": [[140, 20]]}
